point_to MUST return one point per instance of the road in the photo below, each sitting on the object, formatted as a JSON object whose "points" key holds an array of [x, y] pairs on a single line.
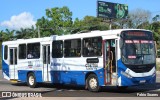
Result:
{"points": [[49, 90]]}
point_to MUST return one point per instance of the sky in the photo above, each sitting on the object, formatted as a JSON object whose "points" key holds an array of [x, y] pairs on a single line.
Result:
{"points": [[16, 14]]}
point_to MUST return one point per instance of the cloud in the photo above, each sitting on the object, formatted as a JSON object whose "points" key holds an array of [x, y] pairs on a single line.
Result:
{"points": [[23, 20]]}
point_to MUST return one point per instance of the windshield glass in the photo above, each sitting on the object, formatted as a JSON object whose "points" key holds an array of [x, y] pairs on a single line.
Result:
{"points": [[137, 47]]}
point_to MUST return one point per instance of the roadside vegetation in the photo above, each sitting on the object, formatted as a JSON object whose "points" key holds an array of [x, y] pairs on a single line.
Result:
{"points": [[158, 66]]}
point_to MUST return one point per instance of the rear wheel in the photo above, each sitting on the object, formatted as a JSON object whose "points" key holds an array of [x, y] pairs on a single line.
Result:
{"points": [[92, 83], [31, 80]]}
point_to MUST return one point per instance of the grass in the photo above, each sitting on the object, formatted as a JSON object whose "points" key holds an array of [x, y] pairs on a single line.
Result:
{"points": [[158, 66]]}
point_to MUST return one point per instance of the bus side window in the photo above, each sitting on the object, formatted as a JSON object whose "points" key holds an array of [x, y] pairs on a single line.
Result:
{"points": [[72, 48], [33, 50], [22, 51], [57, 49], [92, 46], [5, 52]]}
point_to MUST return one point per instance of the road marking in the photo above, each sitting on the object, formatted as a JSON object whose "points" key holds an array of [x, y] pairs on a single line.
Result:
{"points": [[59, 90], [71, 90]]}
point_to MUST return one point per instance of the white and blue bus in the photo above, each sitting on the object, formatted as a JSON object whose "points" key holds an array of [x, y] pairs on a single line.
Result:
{"points": [[122, 58]]}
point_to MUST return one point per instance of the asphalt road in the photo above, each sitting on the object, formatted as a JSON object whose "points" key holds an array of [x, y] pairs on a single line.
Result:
{"points": [[49, 90]]}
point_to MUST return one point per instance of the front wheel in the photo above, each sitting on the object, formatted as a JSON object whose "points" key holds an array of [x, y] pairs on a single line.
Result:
{"points": [[31, 80], [92, 83]]}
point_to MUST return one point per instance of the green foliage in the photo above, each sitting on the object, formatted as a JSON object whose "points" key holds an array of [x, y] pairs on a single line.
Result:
{"points": [[89, 23], [58, 21], [158, 66], [26, 33]]}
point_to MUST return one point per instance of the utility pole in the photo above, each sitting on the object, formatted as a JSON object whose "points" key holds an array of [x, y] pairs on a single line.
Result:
{"points": [[38, 32], [110, 24]]}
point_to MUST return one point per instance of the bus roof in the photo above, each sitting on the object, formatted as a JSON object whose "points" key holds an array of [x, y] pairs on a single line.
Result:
{"points": [[71, 36]]}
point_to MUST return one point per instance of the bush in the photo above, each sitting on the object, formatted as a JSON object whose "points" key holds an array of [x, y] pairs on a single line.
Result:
{"points": [[158, 66]]}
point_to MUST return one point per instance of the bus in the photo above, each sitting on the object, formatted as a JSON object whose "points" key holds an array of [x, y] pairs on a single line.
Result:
{"points": [[121, 58]]}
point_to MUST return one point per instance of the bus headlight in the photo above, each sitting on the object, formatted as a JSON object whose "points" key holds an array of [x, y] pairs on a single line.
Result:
{"points": [[126, 74]]}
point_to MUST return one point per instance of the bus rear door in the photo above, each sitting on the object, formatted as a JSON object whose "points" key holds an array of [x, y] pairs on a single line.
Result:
{"points": [[46, 62], [13, 63]]}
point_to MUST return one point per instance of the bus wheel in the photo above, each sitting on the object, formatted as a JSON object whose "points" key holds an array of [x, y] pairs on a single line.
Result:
{"points": [[31, 80], [92, 83]]}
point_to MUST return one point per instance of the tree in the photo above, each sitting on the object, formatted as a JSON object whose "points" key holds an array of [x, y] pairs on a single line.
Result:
{"points": [[32, 32], [7, 35], [138, 17], [89, 23], [20, 34], [156, 18], [27, 33], [58, 21], [44, 27]]}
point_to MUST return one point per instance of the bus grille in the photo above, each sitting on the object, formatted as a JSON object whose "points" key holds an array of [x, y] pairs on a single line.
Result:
{"points": [[141, 69]]}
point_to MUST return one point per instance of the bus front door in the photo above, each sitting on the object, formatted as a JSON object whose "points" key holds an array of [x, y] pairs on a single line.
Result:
{"points": [[110, 61], [13, 63], [46, 62]]}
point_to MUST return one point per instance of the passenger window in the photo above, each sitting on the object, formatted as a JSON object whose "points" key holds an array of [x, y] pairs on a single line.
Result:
{"points": [[22, 51], [72, 48], [57, 49], [5, 52], [92, 46], [33, 50]]}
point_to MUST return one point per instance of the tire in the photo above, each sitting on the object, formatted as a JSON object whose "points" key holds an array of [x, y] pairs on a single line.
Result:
{"points": [[92, 83], [31, 80]]}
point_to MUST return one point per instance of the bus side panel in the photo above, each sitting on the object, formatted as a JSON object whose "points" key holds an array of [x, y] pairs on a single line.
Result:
{"points": [[22, 75], [68, 77], [75, 77], [5, 66], [100, 74], [38, 75]]}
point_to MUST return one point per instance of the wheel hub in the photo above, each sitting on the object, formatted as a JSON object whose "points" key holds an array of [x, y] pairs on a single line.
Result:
{"points": [[31, 80], [93, 83]]}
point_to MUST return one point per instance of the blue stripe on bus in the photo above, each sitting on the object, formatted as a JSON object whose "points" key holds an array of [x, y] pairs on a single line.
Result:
{"points": [[125, 81], [64, 77], [5, 66], [75, 77], [22, 75], [136, 81]]}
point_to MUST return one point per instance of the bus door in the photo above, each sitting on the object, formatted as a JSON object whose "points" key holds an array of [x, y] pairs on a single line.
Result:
{"points": [[13, 63], [46, 62], [110, 61]]}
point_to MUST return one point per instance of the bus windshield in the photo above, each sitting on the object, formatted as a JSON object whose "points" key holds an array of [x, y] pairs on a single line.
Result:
{"points": [[137, 47]]}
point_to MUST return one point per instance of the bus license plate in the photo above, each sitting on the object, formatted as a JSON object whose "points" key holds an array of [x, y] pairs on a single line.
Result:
{"points": [[142, 81]]}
